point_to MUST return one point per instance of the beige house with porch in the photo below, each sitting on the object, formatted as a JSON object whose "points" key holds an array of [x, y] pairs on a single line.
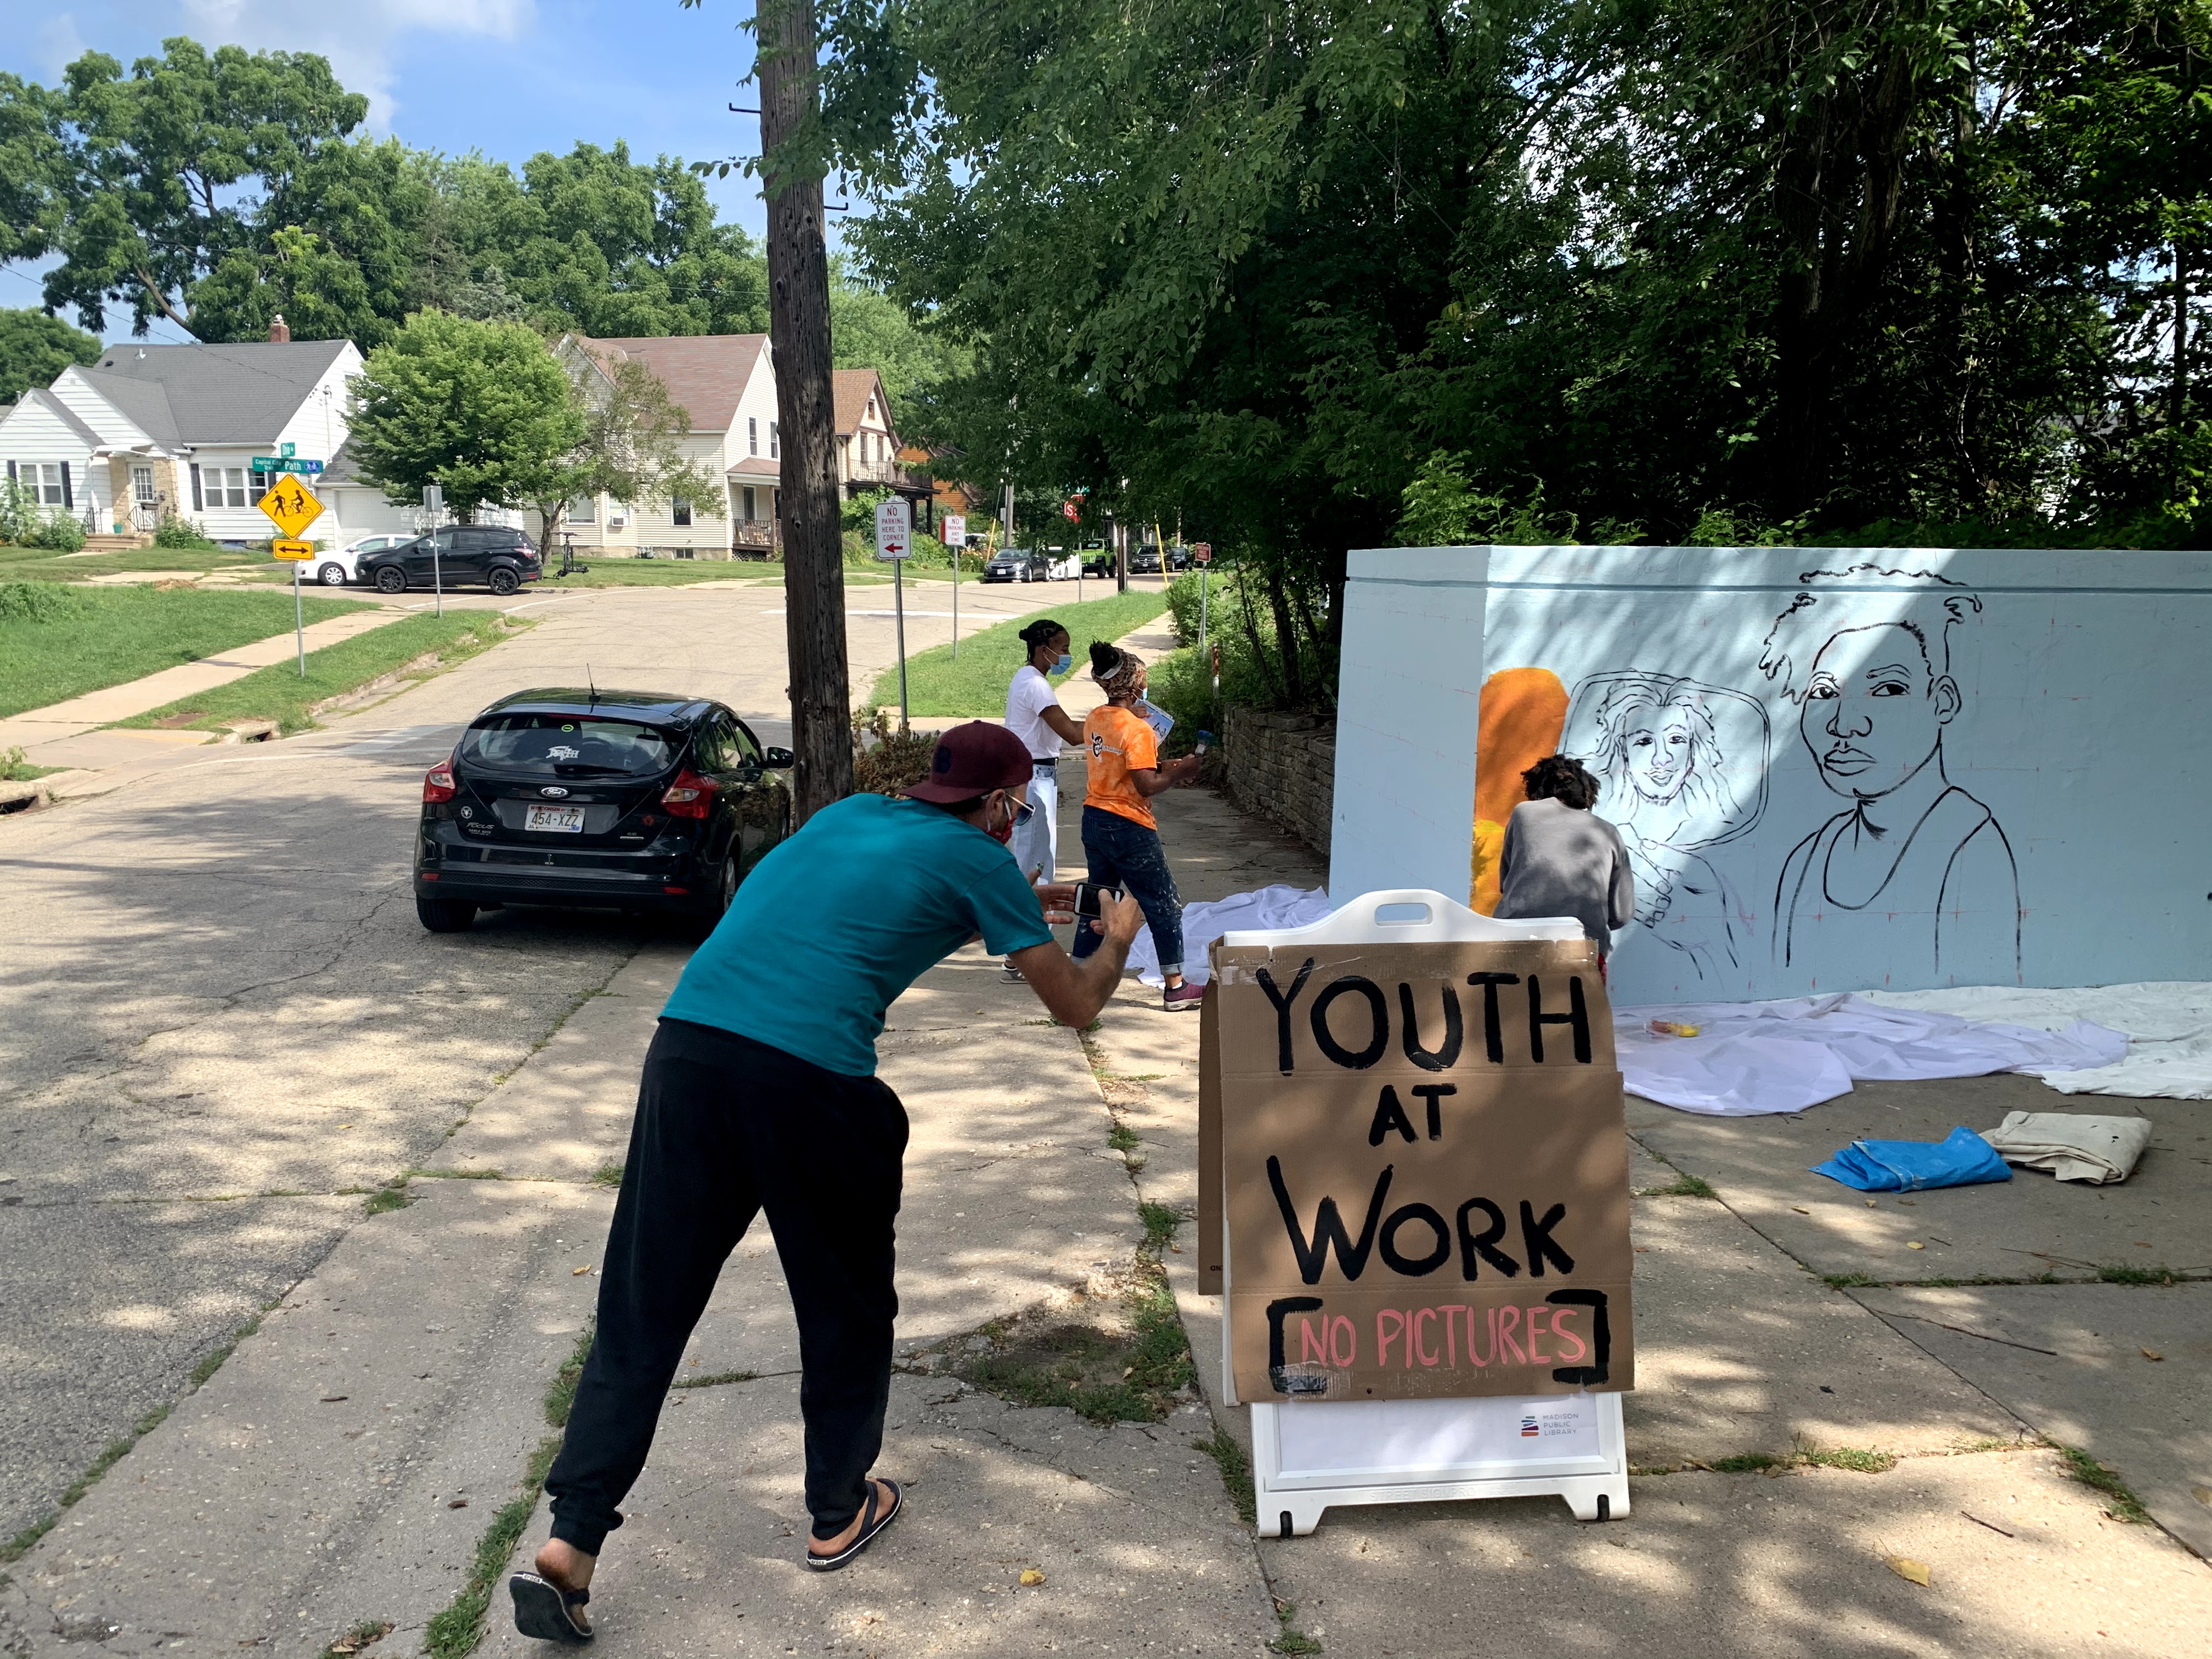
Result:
{"points": [[726, 383]]}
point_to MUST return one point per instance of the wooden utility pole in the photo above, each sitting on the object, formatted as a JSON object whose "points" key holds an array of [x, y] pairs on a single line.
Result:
{"points": [[799, 337]]}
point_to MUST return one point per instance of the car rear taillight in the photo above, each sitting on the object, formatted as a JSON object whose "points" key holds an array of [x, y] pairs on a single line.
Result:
{"points": [[438, 782], [689, 796]]}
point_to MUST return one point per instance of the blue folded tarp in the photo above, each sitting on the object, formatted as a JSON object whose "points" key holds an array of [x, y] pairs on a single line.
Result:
{"points": [[1961, 1158]]}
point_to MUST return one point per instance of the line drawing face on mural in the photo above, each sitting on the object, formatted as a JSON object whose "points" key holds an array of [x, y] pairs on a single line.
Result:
{"points": [[1915, 869], [1683, 767]]}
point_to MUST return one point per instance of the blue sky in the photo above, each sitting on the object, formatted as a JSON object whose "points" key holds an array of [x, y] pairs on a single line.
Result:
{"points": [[508, 77]]}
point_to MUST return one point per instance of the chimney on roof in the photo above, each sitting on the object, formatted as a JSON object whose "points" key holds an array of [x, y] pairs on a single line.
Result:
{"points": [[279, 332]]}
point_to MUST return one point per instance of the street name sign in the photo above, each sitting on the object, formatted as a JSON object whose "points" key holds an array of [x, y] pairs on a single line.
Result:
{"points": [[290, 506], [285, 464]]}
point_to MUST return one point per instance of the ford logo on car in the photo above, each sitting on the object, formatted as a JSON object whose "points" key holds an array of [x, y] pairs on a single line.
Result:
{"points": [[554, 790]]}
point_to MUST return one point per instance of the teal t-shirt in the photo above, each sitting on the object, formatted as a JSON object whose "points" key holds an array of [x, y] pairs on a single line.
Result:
{"points": [[833, 925]]}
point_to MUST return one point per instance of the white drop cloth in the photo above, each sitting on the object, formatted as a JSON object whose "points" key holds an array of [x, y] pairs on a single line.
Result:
{"points": [[1202, 924], [1755, 1057], [2071, 1145], [2168, 1023]]}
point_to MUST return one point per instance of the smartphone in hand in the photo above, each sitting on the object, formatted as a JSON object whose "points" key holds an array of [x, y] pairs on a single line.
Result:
{"points": [[1087, 897]]}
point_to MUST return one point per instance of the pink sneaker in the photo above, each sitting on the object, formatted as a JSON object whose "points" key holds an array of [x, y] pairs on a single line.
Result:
{"points": [[1183, 999]]}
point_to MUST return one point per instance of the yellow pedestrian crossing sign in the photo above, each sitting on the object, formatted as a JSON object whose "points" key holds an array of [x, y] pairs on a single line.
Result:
{"points": [[290, 506]]}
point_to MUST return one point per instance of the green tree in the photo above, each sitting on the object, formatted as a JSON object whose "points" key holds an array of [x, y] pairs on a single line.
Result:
{"points": [[630, 446], [34, 347], [868, 329], [482, 409], [151, 164]]}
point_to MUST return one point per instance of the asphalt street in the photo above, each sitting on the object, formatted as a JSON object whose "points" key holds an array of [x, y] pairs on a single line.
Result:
{"points": [[221, 1023]]}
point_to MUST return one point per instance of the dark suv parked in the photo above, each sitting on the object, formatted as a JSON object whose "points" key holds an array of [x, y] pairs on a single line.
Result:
{"points": [[628, 800], [459, 555]]}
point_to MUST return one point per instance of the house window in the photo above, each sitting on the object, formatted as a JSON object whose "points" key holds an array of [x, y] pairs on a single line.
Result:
{"points": [[775, 441], [42, 482], [234, 480], [750, 515], [141, 487], [752, 436], [584, 509], [679, 512], [617, 514]]}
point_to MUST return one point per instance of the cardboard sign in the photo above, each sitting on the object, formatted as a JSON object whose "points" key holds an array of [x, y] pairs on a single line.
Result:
{"points": [[1425, 1169]]}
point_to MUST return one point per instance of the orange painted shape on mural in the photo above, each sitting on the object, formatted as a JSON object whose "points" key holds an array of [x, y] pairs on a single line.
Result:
{"points": [[1523, 712]]}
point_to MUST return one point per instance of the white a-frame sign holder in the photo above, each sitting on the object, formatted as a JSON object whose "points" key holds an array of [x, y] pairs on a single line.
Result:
{"points": [[1309, 1455]]}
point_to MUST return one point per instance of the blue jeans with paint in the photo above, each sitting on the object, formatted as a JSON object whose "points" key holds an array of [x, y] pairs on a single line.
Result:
{"points": [[1126, 854]]}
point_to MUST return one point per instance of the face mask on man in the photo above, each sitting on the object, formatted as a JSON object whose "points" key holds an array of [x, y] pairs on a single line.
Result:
{"points": [[1062, 663], [1003, 834]]}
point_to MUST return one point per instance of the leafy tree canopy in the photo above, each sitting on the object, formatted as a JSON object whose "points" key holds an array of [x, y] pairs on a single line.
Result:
{"points": [[34, 347], [1641, 268], [482, 409], [217, 190]]}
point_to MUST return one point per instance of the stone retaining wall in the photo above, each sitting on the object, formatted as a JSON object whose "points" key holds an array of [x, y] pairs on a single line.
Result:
{"points": [[1283, 769]]}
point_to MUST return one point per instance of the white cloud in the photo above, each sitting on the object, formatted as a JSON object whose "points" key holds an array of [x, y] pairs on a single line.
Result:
{"points": [[360, 39], [59, 45]]}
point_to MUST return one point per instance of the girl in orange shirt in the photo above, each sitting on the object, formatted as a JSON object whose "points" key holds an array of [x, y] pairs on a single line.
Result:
{"points": [[1120, 837]]}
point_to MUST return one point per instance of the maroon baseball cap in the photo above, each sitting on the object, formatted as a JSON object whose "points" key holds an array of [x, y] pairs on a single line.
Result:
{"points": [[972, 760]]}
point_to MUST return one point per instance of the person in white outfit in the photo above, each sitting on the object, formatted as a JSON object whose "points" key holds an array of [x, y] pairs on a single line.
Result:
{"points": [[1034, 715]]}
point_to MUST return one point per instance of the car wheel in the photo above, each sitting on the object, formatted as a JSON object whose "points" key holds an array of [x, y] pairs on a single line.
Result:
{"points": [[718, 902], [444, 916], [331, 574], [504, 582], [391, 579]]}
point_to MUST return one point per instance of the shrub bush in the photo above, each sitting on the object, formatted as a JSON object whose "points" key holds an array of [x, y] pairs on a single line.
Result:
{"points": [[175, 532], [39, 602], [884, 759], [27, 524]]}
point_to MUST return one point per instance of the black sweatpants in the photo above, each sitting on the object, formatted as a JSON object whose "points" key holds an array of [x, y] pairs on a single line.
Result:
{"points": [[724, 1127]]}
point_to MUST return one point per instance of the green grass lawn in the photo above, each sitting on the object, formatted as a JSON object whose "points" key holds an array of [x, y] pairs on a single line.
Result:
{"points": [[609, 572], [59, 642], [37, 564], [975, 684], [278, 693]]}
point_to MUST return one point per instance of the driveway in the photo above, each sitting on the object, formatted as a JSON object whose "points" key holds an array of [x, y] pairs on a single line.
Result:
{"points": [[221, 1023]]}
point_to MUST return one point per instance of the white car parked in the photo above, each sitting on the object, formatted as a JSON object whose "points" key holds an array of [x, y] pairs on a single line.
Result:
{"points": [[336, 569], [1065, 568]]}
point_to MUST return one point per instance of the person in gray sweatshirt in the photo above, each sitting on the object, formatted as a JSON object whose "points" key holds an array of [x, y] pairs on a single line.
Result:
{"points": [[1560, 859]]}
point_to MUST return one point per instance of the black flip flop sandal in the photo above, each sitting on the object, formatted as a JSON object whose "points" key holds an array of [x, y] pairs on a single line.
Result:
{"points": [[544, 1610], [871, 1524]]}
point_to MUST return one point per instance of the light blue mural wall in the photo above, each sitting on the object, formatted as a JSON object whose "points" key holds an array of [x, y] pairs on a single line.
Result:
{"points": [[1836, 769]]}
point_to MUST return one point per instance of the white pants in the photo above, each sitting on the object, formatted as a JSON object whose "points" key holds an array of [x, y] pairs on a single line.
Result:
{"points": [[1037, 843]]}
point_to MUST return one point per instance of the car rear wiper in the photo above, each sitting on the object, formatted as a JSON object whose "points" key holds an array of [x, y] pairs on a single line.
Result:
{"points": [[585, 769]]}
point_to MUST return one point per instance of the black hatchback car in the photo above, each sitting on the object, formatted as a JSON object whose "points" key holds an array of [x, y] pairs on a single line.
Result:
{"points": [[456, 556], [629, 800]]}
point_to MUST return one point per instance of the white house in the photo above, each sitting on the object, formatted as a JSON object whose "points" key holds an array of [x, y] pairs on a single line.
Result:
{"points": [[726, 383], [868, 444], [149, 430]]}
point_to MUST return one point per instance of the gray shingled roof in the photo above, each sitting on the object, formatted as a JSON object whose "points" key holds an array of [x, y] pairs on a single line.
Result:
{"points": [[212, 394], [342, 468]]}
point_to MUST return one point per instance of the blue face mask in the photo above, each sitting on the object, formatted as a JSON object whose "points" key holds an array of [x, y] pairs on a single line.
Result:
{"points": [[1062, 663]]}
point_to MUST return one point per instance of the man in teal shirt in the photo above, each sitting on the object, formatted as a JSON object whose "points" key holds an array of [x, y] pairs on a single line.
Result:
{"points": [[760, 1093]]}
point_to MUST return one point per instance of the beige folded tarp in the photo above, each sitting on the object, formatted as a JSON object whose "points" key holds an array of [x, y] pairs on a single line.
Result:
{"points": [[2071, 1145]]}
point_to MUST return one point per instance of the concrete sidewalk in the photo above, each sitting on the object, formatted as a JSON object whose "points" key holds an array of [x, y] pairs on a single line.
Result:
{"points": [[40, 731], [341, 1471]]}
